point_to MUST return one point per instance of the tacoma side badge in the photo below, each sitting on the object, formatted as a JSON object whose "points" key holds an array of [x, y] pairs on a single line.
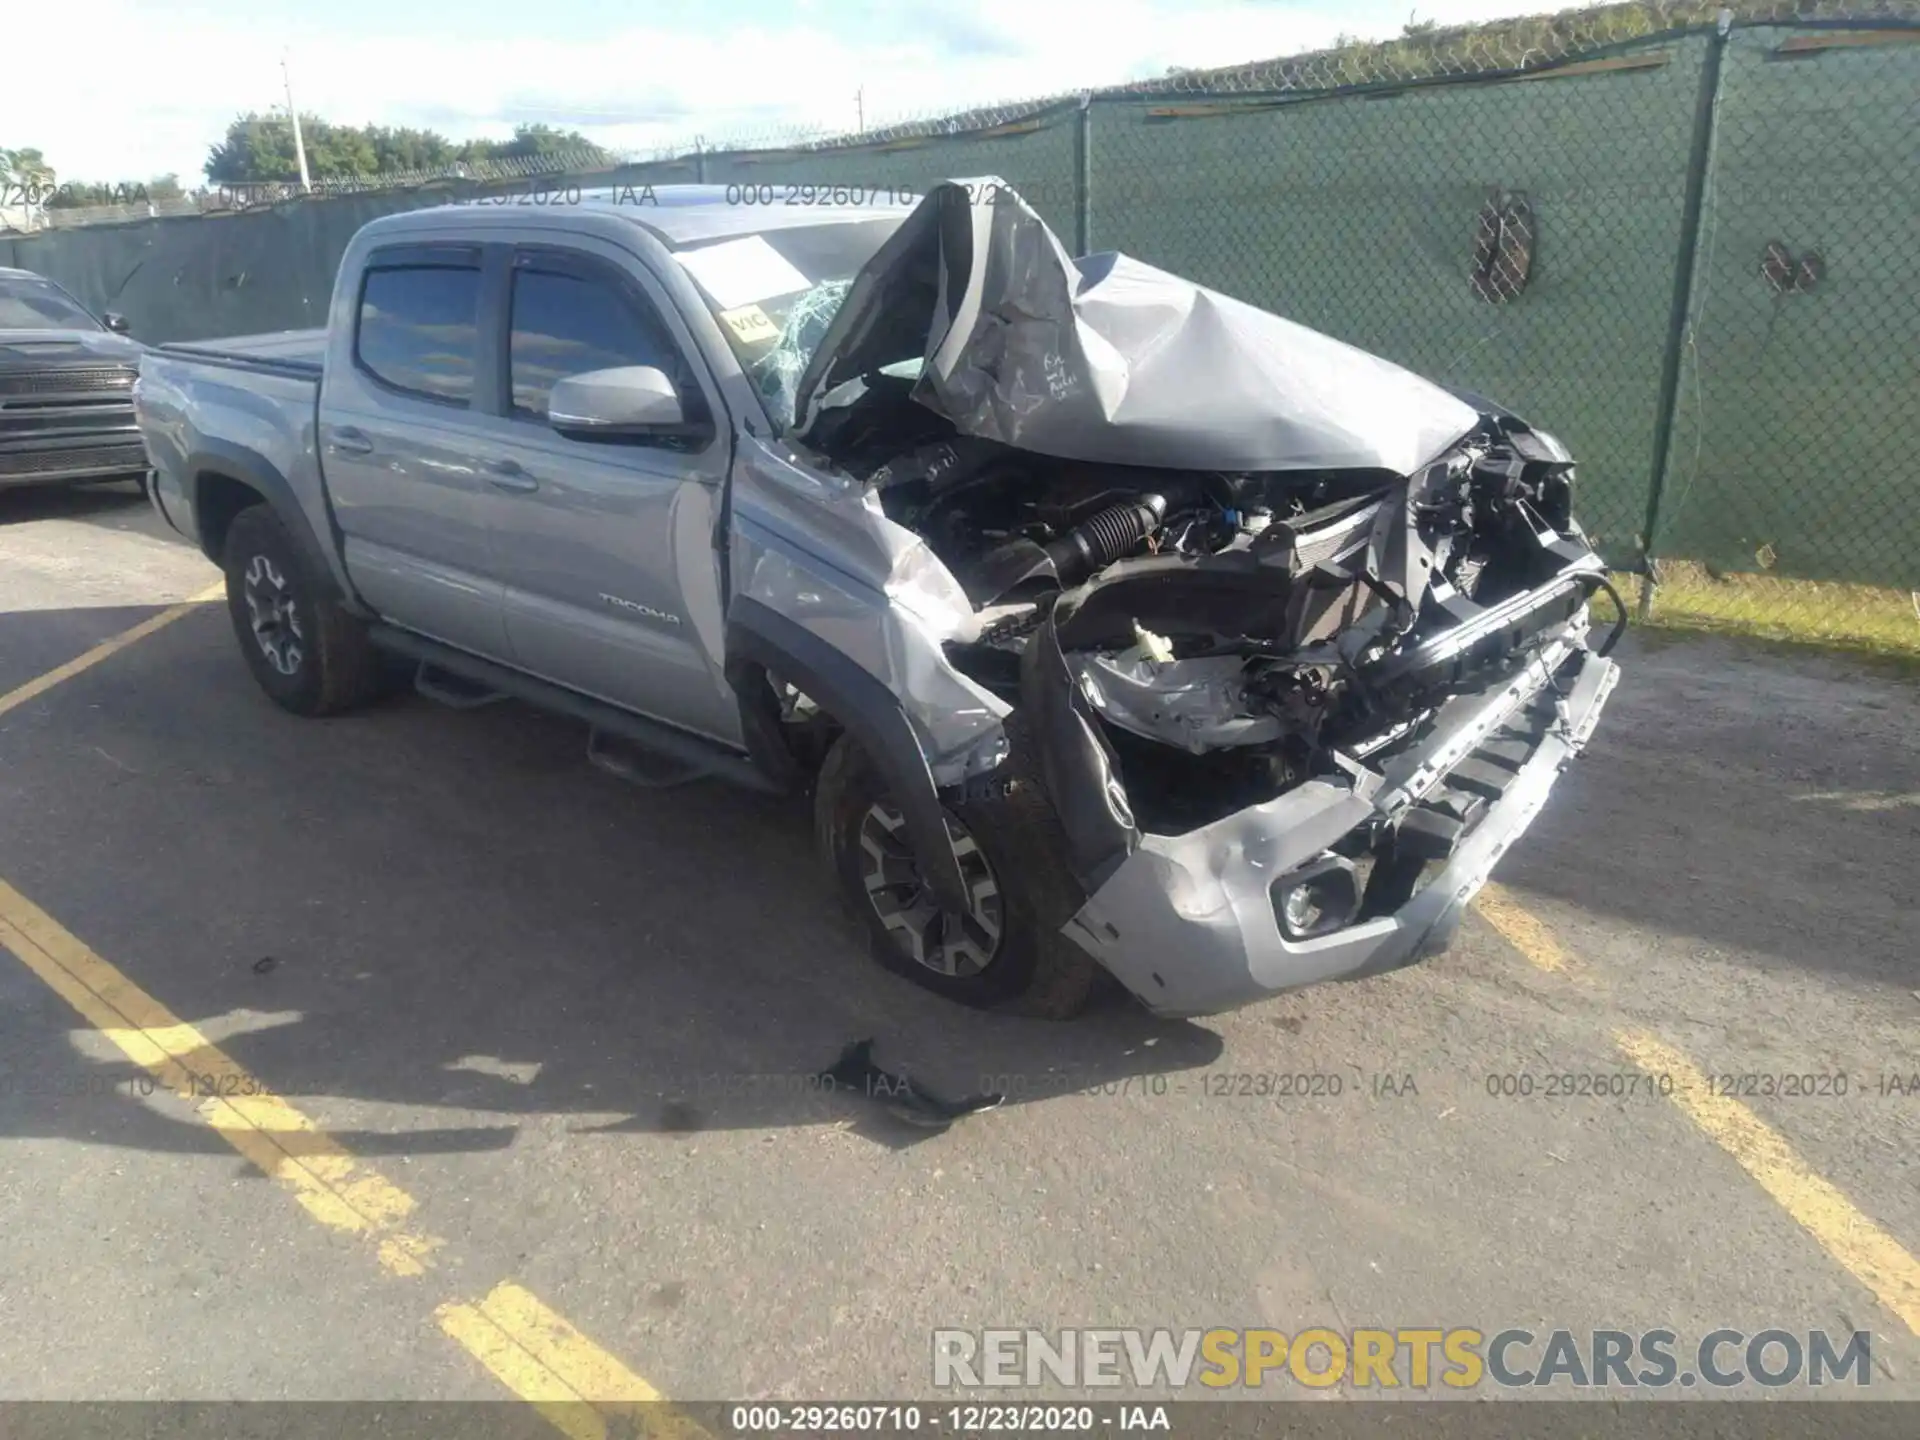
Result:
{"points": [[636, 608]]}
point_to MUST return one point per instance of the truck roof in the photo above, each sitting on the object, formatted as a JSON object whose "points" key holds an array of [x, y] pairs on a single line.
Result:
{"points": [[691, 214]]}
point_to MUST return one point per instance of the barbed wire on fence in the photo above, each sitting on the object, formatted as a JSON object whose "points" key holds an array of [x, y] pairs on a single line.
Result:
{"points": [[1495, 46], [1515, 238], [220, 196], [1422, 54]]}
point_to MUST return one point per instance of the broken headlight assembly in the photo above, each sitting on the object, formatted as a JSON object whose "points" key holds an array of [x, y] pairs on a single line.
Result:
{"points": [[1317, 899]]}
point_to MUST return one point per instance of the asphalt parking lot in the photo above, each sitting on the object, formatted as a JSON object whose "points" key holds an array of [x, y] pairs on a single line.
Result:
{"points": [[547, 1036]]}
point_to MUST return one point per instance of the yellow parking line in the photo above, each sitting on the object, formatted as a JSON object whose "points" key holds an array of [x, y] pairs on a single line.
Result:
{"points": [[1524, 930], [588, 1370], [1870, 1254], [335, 1188], [1863, 1249], [542, 1358], [529, 1347], [110, 646], [533, 1350], [521, 1373]]}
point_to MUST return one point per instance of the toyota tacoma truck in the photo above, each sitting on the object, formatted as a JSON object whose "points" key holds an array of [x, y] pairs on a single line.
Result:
{"points": [[66, 388], [1115, 626]]}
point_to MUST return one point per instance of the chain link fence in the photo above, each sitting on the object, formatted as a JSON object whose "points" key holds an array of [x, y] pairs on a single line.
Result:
{"points": [[1518, 239], [1691, 253], [1790, 496], [48, 210]]}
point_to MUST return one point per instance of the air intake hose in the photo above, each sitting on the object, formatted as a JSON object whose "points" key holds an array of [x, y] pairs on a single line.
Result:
{"points": [[1024, 568], [1104, 537]]}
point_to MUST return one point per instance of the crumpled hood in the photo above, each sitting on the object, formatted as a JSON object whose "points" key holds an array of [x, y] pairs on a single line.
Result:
{"points": [[1109, 359]]}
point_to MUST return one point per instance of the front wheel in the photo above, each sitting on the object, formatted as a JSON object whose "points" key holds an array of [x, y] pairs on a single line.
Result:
{"points": [[308, 654], [1006, 951]]}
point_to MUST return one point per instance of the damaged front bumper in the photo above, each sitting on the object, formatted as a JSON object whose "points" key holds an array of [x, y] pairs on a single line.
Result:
{"points": [[1192, 924]]}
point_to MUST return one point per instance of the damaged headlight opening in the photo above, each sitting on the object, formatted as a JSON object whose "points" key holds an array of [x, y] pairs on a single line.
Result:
{"points": [[1319, 900]]}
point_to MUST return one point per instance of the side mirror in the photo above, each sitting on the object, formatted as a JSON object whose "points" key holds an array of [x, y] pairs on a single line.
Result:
{"points": [[115, 322], [629, 400]]}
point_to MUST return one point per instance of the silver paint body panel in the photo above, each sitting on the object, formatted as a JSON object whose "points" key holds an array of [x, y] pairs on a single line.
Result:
{"points": [[1188, 922], [613, 573]]}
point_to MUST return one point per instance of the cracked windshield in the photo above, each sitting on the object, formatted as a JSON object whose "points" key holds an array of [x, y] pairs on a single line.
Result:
{"points": [[776, 291]]}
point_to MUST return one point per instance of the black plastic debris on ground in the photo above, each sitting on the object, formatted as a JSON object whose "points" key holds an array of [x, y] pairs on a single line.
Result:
{"points": [[855, 1073]]}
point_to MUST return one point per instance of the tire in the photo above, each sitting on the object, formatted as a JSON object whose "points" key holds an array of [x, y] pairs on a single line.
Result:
{"points": [[309, 655], [1029, 967]]}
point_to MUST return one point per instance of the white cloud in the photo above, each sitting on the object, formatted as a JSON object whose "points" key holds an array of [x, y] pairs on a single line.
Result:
{"points": [[161, 84]]}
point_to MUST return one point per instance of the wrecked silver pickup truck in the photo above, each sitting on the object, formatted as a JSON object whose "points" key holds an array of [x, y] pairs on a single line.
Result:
{"points": [[1115, 624]]}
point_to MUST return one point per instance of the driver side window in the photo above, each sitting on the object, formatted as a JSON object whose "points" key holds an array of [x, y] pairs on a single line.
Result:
{"points": [[564, 322]]}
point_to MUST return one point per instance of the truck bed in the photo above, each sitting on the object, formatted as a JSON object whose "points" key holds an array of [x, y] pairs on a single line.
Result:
{"points": [[289, 352], [245, 408]]}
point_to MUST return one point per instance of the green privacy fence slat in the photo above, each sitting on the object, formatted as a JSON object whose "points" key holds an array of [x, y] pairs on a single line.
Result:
{"points": [[194, 277], [1036, 158], [1797, 436], [1357, 215]]}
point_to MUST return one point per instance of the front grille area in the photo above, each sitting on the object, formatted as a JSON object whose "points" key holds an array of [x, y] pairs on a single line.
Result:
{"points": [[98, 380], [72, 421], [1396, 864], [89, 420], [84, 460]]}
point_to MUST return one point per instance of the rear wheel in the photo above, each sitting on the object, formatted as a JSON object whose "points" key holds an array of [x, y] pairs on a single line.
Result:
{"points": [[1005, 951], [308, 654]]}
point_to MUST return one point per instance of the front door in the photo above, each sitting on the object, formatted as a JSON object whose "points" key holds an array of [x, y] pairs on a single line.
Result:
{"points": [[608, 546]]}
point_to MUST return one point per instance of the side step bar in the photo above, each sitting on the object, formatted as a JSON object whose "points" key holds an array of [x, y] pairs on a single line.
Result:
{"points": [[456, 692], [681, 753], [637, 764]]}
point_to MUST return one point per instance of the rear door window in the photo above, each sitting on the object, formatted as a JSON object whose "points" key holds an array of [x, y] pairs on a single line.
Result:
{"points": [[418, 330]]}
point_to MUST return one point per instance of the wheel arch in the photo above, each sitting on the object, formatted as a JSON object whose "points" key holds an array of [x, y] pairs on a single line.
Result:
{"points": [[761, 641], [225, 479]]}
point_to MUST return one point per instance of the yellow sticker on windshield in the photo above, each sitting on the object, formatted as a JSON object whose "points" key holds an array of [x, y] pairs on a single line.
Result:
{"points": [[749, 323]]}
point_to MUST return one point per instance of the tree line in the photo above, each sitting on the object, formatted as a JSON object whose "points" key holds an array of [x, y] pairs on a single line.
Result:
{"points": [[258, 149]]}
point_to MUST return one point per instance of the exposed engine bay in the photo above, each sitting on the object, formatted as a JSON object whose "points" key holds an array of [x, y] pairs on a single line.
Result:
{"points": [[1236, 632], [1264, 647], [1237, 549]]}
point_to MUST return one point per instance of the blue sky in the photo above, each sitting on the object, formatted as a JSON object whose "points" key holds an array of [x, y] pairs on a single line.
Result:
{"points": [[163, 80]]}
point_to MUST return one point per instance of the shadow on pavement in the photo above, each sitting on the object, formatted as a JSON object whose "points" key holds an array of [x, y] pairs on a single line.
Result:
{"points": [[412, 907], [101, 536], [50, 1088], [1768, 805], [105, 503], [409, 906]]}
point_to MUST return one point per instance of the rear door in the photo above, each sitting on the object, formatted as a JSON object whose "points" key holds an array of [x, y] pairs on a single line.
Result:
{"points": [[396, 445], [607, 546]]}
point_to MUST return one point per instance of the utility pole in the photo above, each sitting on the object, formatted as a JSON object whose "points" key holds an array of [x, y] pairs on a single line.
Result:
{"points": [[860, 108], [299, 145]]}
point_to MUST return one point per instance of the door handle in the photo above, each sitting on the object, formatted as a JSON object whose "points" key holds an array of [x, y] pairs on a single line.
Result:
{"points": [[509, 475], [349, 441]]}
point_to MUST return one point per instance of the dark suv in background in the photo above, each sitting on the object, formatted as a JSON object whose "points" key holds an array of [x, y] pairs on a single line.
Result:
{"points": [[66, 388]]}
